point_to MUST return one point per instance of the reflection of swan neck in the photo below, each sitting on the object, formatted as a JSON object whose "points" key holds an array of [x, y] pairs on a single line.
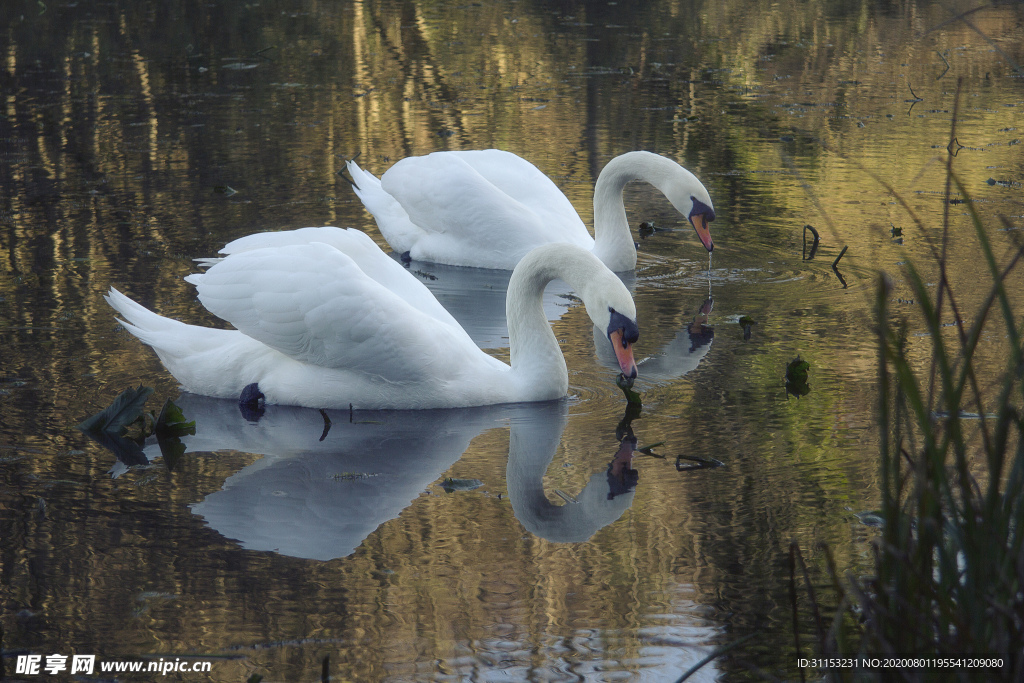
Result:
{"points": [[613, 242], [532, 446]]}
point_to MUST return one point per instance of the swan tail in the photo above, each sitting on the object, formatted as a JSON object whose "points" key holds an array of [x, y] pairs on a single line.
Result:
{"points": [[139, 320], [185, 350], [394, 223]]}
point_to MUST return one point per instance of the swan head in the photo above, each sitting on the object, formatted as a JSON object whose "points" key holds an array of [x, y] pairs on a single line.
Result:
{"points": [[690, 198], [681, 187], [700, 215], [623, 332], [610, 307]]}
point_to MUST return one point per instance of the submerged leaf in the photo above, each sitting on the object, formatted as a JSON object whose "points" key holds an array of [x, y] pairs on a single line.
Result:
{"points": [[123, 411]]}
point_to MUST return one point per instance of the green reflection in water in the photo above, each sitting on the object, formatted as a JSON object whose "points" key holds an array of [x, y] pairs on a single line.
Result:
{"points": [[120, 123]]}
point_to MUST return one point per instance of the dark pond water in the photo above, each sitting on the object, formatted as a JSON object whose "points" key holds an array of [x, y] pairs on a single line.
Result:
{"points": [[494, 543]]}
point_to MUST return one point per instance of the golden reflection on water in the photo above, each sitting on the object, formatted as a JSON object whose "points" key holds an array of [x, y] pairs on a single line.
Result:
{"points": [[136, 139]]}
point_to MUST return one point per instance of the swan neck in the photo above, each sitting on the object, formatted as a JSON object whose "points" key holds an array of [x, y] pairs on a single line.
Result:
{"points": [[538, 366], [613, 241]]}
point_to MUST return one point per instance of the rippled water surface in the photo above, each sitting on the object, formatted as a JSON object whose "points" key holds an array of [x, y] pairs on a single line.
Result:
{"points": [[498, 543]]}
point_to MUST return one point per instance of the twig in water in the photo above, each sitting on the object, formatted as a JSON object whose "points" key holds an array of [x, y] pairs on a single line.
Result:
{"points": [[717, 653], [260, 53], [814, 245], [327, 424], [943, 58], [912, 101], [836, 263]]}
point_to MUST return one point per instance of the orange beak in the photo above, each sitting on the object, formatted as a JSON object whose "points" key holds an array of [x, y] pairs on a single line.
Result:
{"points": [[623, 353], [700, 224]]}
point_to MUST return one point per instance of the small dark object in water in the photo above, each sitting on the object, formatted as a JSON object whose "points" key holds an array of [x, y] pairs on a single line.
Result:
{"points": [[250, 403], [814, 244], [796, 378], [699, 463], [626, 384], [406, 258], [841, 254], [747, 323], [646, 229], [327, 424], [835, 267]]}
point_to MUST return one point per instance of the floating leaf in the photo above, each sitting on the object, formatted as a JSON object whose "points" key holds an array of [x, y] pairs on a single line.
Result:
{"points": [[225, 190], [796, 377]]}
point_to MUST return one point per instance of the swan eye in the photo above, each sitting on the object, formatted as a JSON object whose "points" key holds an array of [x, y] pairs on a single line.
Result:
{"points": [[629, 329], [700, 207]]}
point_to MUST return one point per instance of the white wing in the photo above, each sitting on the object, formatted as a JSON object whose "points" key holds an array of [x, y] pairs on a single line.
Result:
{"points": [[313, 303], [490, 202], [524, 182], [358, 246]]}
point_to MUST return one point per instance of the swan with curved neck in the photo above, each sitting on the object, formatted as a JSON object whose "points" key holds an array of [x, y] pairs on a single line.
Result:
{"points": [[326, 319], [488, 208]]}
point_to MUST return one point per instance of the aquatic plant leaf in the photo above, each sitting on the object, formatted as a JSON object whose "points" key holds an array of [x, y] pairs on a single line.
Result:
{"points": [[796, 377], [172, 422], [626, 384], [123, 411]]}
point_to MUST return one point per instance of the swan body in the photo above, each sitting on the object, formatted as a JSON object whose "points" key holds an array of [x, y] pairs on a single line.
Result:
{"points": [[488, 208], [324, 319]]}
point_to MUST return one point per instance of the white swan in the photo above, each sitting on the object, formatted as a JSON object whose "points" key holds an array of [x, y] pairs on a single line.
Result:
{"points": [[488, 208], [325, 319]]}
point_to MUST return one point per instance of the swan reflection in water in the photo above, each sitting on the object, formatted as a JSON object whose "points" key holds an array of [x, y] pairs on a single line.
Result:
{"points": [[318, 496]]}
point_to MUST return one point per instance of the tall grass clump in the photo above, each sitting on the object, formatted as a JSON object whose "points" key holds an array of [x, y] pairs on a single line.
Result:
{"points": [[949, 565], [948, 579], [950, 561]]}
